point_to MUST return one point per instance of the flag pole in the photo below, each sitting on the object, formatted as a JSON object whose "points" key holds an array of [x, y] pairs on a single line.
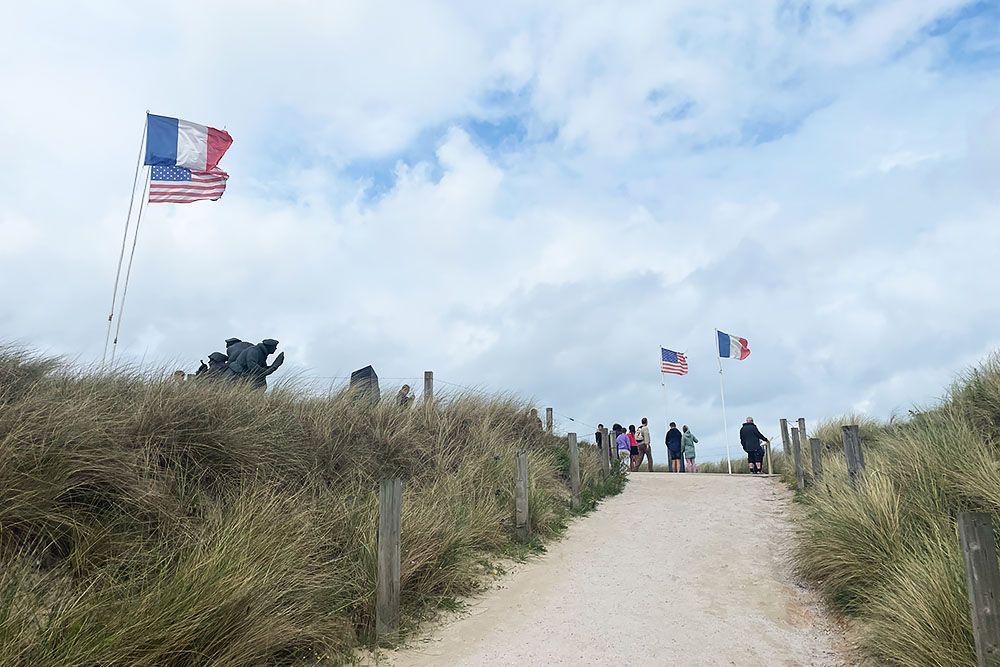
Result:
{"points": [[666, 404], [128, 271], [722, 393], [121, 254]]}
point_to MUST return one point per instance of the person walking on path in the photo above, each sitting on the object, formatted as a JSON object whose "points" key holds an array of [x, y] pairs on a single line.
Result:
{"points": [[645, 445], [750, 439], [674, 447], [599, 436], [633, 448], [687, 447]]}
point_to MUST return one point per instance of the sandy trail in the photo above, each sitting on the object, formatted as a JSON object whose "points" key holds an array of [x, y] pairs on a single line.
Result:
{"points": [[678, 570]]}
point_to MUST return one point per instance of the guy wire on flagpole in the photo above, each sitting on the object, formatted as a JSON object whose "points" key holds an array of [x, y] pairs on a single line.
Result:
{"points": [[121, 255], [128, 270], [722, 393]]}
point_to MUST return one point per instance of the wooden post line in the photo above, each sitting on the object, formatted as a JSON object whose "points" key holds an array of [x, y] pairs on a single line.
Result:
{"points": [[804, 443], [574, 471], [853, 453], [786, 442], [522, 526], [979, 550], [390, 506], [800, 473], [816, 449], [428, 387], [548, 420]]}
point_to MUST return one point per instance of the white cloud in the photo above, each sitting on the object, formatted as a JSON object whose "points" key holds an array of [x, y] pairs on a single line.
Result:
{"points": [[805, 175]]}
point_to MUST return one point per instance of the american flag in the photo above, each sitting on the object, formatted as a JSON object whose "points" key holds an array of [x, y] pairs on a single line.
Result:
{"points": [[673, 362], [178, 185]]}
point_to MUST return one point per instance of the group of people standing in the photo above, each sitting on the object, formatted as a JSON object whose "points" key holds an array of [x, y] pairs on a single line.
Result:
{"points": [[637, 442], [680, 445]]}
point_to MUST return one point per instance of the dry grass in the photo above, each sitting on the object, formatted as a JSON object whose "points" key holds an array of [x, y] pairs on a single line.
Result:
{"points": [[144, 522], [740, 465], [887, 553]]}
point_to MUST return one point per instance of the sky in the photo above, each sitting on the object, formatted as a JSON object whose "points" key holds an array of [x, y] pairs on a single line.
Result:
{"points": [[524, 197]]}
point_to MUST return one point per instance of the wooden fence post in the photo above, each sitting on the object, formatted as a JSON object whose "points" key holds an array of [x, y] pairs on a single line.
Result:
{"points": [[574, 471], [786, 442], [548, 420], [979, 549], [390, 506], [853, 453], [800, 473], [802, 431], [428, 387], [816, 449], [522, 526], [606, 451], [770, 470]]}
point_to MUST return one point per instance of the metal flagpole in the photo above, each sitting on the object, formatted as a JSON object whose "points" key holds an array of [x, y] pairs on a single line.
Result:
{"points": [[128, 271], [722, 392], [121, 255], [666, 405]]}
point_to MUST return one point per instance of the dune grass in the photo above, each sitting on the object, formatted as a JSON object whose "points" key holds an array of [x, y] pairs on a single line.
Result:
{"points": [[148, 522], [740, 465], [887, 554]]}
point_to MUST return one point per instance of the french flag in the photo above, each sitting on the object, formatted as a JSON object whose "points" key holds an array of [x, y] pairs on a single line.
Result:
{"points": [[171, 142], [732, 347]]}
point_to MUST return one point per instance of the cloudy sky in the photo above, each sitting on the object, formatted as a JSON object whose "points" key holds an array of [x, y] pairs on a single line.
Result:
{"points": [[525, 196]]}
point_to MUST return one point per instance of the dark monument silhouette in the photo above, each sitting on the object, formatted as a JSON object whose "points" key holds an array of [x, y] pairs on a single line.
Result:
{"points": [[243, 362], [364, 385]]}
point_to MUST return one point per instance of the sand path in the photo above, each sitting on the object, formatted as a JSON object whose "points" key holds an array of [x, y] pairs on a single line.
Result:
{"points": [[678, 570]]}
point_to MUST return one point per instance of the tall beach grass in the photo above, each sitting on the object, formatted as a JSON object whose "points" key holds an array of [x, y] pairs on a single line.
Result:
{"points": [[887, 554], [149, 522]]}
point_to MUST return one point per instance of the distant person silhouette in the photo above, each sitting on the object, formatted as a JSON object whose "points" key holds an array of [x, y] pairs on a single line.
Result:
{"points": [[674, 447], [633, 449], [645, 445], [750, 439], [622, 441], [687, 447], [404, 398]]}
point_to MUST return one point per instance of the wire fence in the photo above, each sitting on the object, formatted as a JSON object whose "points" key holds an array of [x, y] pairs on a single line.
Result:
{"points": [[334, 383]]}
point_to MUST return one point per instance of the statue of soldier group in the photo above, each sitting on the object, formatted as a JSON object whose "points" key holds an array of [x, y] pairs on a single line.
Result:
{"points": [[242, 362]]}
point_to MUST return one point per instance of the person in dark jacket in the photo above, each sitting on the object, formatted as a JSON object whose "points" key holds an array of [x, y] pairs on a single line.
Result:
{"points": [[252, 363], [599, 436], [750, 439], [674, 447]]}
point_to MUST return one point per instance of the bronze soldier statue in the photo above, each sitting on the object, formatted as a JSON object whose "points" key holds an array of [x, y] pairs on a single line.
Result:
{"points": [[251, 364]]}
